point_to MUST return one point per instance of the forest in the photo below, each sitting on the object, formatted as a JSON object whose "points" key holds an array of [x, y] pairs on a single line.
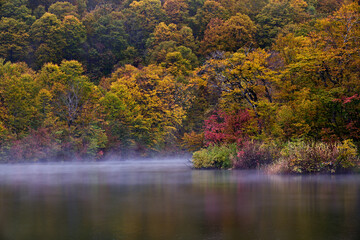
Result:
{"points": [[239, 83]]}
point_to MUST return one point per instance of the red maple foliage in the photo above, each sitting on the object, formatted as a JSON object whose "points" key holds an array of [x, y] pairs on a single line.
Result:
{"points": [[222, 127]]}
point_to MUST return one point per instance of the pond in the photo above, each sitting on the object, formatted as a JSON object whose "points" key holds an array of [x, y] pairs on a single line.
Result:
{"points": [[166, 199]]}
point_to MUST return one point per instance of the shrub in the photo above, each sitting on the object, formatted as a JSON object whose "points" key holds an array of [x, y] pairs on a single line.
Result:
{"points": [[253, 155], [347, 157], [201, 159], [301, 157], [215, 156]]}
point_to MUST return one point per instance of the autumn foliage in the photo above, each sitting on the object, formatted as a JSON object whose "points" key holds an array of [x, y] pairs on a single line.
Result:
{"points": [[93, 79], [223, 128]]}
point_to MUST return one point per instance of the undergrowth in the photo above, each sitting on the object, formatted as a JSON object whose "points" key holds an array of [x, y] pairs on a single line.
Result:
{"points": [[292, 157]]}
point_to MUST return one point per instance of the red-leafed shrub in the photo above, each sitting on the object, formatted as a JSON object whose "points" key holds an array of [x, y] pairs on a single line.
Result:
{"points": [[222, 127], [253, 155]]}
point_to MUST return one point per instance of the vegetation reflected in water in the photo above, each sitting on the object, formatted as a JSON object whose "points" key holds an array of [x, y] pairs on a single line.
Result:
{"points": [[175, 204]]}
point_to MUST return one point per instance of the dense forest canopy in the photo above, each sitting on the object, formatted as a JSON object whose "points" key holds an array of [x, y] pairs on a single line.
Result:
{"points": [[94, 78]]}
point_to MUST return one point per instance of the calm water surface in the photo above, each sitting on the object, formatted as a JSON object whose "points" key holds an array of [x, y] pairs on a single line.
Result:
{"points": [[165, 199]]}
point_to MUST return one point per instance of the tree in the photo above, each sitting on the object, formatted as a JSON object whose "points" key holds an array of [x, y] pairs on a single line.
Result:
{"points": [[194, 5], [39, 11], [107, 39], [225, 128], [210, 10], [277, 14], [141, 19], [254, 7], [62, 9], [159, 53], [320, 74], [251, 79], [18, 10], [14, 39], [149, 12], [339, 36], [238, 31], [163, 33], [71, 91], [180, 61], [328, 6], [145, 103], [48, 39], [68, 102], [35, 3], [237, 81], [17, 93], [177, 11], [75, 36]]}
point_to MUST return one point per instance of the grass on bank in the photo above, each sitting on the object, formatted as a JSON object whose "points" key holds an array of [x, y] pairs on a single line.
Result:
{"points": [[293, 157]]}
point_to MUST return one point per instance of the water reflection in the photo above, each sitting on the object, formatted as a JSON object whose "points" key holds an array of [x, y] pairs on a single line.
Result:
{"points": [[168, 200]]}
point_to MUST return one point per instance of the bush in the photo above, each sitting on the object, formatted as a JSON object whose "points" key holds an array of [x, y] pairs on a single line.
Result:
{"points": [[294, 157], [301, 157], [347, 157], [253, 155], [215, 156]]}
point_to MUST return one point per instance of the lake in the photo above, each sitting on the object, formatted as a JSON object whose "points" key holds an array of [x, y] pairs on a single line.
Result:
{"points": [[166, 199]]}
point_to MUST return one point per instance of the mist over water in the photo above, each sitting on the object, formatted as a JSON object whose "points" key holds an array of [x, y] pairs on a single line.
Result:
{"points": [[107, 172], [167, 199]]}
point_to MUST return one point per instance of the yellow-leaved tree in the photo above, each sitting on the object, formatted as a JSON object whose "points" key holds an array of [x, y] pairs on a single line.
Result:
{"points": [[144, 106]]}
